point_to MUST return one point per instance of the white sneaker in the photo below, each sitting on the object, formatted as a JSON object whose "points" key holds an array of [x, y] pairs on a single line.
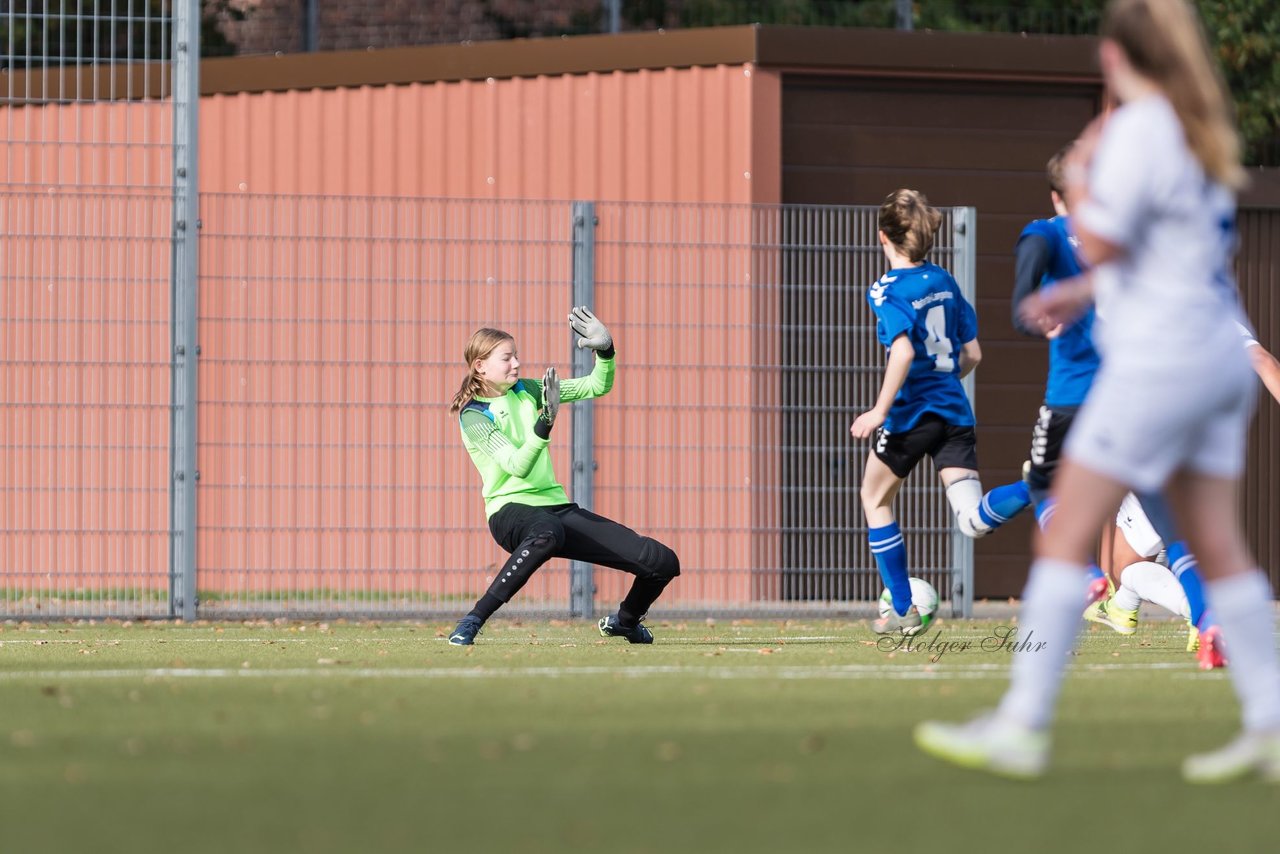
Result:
{"points": [[987, 743], [1249, 753]]}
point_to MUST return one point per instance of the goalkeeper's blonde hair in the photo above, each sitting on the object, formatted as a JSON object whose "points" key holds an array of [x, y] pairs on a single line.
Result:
{"points": [[482, 342]]}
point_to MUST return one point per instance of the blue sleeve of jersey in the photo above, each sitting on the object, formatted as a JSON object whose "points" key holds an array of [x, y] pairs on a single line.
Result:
{"points": [[892, 318], [966, 319], [1031, 260]]}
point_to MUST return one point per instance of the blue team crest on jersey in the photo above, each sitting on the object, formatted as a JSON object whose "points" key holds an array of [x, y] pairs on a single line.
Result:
{"points": [[877, 292], [925, 304]]}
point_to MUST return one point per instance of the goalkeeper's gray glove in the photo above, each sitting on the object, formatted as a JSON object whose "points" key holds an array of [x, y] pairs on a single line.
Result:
{"points": [[594, 333], [550, 397]]}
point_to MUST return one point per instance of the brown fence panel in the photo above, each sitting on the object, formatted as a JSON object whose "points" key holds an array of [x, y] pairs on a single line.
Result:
{"points": [[1258, 271]]}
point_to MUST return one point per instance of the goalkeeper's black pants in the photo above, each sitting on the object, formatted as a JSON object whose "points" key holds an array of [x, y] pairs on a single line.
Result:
{"points": [[534, 535]]}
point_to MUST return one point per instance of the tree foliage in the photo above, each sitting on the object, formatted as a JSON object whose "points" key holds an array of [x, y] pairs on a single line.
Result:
{"points": [[1244, 33]]}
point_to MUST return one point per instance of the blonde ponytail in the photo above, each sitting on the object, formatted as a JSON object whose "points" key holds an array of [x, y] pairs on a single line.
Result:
{"points": [[1165, 42], [470, 389]]}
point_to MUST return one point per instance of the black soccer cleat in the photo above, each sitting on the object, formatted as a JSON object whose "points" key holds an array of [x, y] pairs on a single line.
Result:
{"points": [[466, 631], [610, 628]]}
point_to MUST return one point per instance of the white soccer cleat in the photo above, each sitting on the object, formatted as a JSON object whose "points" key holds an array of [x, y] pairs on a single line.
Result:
{"points": [[1250, 753], [987, 743]]}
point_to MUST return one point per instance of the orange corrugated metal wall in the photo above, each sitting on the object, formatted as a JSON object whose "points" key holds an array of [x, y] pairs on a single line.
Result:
{"points": [[671, 135]]}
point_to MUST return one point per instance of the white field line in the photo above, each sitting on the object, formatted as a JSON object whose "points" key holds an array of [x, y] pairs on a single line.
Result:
{"points": [[169, 640], [424, 636], [507, 637], [421, 636], [848, 672]]}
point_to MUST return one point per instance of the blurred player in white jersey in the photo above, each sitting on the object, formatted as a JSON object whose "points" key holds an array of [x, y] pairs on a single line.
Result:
{"points": [[1152, 191]]}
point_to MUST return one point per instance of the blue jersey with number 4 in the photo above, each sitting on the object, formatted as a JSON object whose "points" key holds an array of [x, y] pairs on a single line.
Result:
{"points": [[925, 303]]}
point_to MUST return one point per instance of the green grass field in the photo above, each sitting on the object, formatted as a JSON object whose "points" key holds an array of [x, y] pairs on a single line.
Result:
{"points": [[734, 736]]}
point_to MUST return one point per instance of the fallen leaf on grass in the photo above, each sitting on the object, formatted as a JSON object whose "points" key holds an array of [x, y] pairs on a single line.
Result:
{"points": [[668, 751]]}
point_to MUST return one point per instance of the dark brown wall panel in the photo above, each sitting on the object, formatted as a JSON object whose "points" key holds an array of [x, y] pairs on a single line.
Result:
{"points": [[851, 140], [1258, 271]]}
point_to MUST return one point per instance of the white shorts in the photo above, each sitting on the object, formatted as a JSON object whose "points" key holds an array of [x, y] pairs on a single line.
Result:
{"points": [[1140, 426], [1136, 527]]}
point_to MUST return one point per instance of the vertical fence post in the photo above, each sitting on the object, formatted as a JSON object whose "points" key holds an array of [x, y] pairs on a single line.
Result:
{"points": [[186, 348], [903, 14], [965, 240], [582, 592]]}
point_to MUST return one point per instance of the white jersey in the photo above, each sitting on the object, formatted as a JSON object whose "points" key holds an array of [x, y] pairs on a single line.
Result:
{"points": [[1175, 390], [1170, 300]]}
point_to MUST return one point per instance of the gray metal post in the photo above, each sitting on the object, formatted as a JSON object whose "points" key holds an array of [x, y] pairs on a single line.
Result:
{"points": [[903, 9], [311, 26], [964, 268], [582, 591], [186, 349], [613, 15]]}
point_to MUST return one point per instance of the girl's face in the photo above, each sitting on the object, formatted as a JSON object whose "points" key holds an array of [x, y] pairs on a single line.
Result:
{"points": [[500, 369]]}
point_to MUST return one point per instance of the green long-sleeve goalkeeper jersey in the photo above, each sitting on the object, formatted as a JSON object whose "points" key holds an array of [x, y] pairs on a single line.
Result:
{"points": [[512, 459]]}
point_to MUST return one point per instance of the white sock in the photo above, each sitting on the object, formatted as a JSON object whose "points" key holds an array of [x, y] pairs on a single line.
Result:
{"points": [[1047, 628], [1243, 606], [964, 496], [1154, 583]]}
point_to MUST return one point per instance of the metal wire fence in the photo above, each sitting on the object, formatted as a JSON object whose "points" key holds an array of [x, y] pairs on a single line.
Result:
{"points": [[309, 467], [332, 480], [747, 349], [87, 145], [332, 477]]}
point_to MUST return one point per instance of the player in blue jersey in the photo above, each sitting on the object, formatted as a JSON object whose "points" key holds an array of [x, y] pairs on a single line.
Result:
{"points": [[930, 333], [1044, 255]]}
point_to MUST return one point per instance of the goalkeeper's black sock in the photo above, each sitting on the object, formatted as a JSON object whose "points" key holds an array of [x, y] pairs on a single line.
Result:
{"points": [[535, 550], [485, 607], [626, 619]]}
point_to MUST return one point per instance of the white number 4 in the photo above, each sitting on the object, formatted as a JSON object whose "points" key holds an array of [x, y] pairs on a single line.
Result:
{"points": [[936, 343]]}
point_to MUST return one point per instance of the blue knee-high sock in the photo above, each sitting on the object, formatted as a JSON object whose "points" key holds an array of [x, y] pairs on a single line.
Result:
{"points": [[1184, 566], [891, 558], [1044, 515], [1004, 502]]}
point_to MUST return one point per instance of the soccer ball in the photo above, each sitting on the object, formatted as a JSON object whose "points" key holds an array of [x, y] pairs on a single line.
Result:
{"points": [[923, 596]]}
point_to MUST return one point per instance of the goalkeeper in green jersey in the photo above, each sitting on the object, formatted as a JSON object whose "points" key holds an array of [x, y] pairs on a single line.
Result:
{"points": [[506, 426]]}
